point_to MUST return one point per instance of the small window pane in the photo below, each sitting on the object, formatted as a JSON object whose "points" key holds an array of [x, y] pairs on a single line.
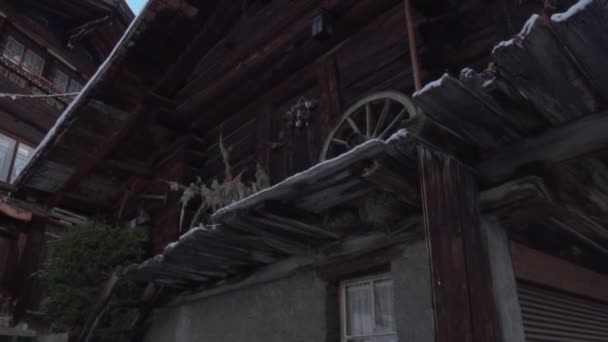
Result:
{"points": [[358, 310], [24, 153], [33, 62], [7, 147], [13, 50], [383, 306], [61, 80], [75, 87]]}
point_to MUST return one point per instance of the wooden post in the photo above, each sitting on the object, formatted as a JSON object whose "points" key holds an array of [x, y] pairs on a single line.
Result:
{"points": [[463, 299], [411, 38], [100, 307], [504, 287]]}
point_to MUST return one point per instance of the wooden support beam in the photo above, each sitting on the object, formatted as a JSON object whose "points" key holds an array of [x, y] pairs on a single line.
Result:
{"points": [[15, 212], [108, 110], [540, 268], [574, 140], [504, 285], [99, 308], [464, 304]]}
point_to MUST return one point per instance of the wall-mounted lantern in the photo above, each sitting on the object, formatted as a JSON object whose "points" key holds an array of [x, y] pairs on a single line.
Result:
{"points": [[321, 25]]}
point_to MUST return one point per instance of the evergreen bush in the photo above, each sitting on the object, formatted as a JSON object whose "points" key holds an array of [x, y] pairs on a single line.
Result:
{"points": [[78, 265]]}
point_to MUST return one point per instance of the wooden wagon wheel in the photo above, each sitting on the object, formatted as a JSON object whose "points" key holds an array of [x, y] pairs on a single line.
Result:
{"points": [[376, 116]]}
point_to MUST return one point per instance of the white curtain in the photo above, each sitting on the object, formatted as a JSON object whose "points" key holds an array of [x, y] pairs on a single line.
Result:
{"points": [[359, 310], [383, 306]]}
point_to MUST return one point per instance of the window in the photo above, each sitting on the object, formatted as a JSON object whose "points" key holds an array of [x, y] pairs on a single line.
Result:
{"points": [[75, 87], [13, 157], [7, 148], [367, 310], [33, 62], [22, 156], [61, 80], [28, 59], [13, 50]]}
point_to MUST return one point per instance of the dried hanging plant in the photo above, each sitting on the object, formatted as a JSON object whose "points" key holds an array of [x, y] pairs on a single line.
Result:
{"points": [[218, 194]]}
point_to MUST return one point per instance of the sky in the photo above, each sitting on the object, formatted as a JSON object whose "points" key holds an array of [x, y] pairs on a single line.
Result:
{"points": [[136, 5]]}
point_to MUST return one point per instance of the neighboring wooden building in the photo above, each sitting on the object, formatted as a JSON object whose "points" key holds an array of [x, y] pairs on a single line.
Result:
{"points": [[473, 211], [47, 48]]}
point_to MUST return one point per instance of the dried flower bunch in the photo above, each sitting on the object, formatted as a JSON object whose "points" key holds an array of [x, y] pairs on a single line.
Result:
{"points": [[218, 194]]}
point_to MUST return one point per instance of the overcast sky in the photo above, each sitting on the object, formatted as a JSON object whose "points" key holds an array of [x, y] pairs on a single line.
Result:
{"points": [[136, 5]]}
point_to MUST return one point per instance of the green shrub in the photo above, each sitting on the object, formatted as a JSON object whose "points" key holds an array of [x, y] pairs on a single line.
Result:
{"points": [[78, 265]]}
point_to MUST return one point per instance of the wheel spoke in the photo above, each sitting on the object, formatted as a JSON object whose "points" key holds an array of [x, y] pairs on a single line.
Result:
{"points": [[340, 142], [387, 106], [393, 124], [368, 120], [353, 125]]}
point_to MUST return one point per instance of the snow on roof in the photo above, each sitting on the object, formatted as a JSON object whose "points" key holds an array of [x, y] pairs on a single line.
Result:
{"points": [[431, 85], [572, 11], [528, 26], [372, 144]]}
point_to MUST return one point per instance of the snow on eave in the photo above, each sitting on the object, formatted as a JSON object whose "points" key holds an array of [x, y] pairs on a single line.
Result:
{"points": [[266, 194], [525, 31], [259, 196], [432, 85], [580, 6], [64, 120]]}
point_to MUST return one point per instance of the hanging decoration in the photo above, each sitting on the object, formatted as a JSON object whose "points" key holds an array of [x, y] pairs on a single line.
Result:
{"points": [[298, 116]]}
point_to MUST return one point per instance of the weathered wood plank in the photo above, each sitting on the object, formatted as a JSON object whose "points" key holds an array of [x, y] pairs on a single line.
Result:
{"points": [[464, 304], [535, 63], [577, 139], [584, 36], [504, 285], [537, 267], [452, 104]]}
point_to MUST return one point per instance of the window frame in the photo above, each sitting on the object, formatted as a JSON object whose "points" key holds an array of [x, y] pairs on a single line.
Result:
{"points": [[19, 43], [31, 68], [18, 145], [7, 171], [57, 71], [370, 279], [25, 50]]}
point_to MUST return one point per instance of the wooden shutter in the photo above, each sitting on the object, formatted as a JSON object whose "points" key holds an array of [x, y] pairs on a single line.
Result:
{"points": [[553, 316]]}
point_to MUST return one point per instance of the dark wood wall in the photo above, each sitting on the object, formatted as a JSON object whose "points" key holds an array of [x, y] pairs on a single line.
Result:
{"points": [[243, 86]]}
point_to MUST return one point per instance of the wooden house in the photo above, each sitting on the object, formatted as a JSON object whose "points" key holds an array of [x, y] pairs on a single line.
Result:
{"points": [[49, 49], [470, 209]]}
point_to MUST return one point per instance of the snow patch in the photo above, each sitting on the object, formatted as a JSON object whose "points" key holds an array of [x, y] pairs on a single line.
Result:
{"points": [[208, 228], [529, 25], [503, 44], [572, 11], [525, 31], [467, 74], [431, 85], [400, 134], [488, 83]]}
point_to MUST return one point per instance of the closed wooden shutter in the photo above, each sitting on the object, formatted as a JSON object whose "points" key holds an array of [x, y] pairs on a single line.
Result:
{"points": [[553, 316]]}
